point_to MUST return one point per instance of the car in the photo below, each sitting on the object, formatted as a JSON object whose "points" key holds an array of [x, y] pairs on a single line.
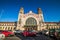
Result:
{"points": [[7, 33], [2, 36], [57, 32], [45, 32], [18, 31], [29, 33], [52, 32]]}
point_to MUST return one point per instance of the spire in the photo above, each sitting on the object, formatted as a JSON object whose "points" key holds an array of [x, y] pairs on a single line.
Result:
{"points": [[39, 11], [21, 10]]}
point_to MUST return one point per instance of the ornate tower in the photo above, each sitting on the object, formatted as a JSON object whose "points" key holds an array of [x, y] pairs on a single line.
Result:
{"points": [[21, 10], [41, 19], [19, 22], [40, 15]]}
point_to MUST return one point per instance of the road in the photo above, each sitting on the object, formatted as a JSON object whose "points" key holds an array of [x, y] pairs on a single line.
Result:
{"points": [[37, 37]]}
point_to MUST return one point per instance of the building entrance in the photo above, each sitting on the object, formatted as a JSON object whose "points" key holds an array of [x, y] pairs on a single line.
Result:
{"points": [[30, 27], [31, 24]]}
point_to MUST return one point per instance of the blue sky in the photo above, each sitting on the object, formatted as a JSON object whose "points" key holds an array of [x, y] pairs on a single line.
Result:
{"points": [[9, 9]]}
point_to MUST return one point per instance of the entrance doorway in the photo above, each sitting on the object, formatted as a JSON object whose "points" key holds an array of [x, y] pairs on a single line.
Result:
{"points": [[30, 27], [31, 24]]}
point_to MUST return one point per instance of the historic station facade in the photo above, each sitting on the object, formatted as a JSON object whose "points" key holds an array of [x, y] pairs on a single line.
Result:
{"points": [[29, 21]]}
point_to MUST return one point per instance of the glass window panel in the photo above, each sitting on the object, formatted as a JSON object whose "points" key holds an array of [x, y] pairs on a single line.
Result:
{"points": [[31, 21]]}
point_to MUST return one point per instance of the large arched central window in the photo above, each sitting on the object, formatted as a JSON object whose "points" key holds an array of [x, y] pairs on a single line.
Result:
{"points": [[31, 21]]}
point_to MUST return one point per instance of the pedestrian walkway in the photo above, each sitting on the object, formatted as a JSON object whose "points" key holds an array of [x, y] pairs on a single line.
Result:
{"points": [[12, 38]]}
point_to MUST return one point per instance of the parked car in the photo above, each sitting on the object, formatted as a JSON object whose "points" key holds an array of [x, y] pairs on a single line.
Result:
{"points": [[57, 32], [18, 31], [7, 33], [35, 31], [52, 32], [29, 33], [45, 32], [2, 36]]}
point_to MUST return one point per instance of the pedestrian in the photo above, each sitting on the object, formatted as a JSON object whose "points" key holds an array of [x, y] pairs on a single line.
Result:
{"points": [[55, 35]]}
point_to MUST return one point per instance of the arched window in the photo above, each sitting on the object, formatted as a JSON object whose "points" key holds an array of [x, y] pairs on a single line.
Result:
{"points": [[8, 28], [11, 28], [31, 21]]}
